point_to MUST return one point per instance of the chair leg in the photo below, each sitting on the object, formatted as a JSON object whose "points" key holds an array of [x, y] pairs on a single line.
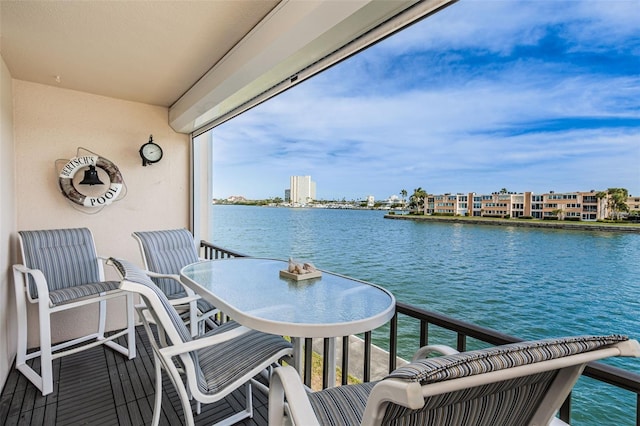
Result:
{"points": [[131, 326], [193, 319], [102, 318], [249, 402], [246, 414], [184, 400], [157, 406], [46, 359], [130, 350], [201, 326], [44, 380], [179, 386], [21, 316]]}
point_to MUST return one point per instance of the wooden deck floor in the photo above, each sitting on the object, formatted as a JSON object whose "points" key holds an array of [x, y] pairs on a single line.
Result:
{"points": [[101, 387]]}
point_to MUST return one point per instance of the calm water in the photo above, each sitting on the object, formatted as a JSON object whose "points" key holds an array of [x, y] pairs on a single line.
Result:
{"points": [[530, 283]]}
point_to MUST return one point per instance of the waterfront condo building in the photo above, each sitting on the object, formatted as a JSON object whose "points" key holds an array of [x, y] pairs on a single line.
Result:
{"points": [[302, 190], [634, 205], [571, 205]]}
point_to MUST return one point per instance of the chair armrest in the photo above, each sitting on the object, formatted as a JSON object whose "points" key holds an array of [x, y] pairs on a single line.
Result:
{"points": [[190, 293], [19, 275], [425, 351], [285, 382], [181, 301], [172, 277], [203, 342], [184, 300], [395, 391]]}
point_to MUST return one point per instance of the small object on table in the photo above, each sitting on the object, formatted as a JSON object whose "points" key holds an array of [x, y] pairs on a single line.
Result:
{"points": [[300, 271]]}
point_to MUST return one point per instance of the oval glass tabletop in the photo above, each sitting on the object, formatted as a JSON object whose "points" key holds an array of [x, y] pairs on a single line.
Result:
{"points": [[251, 291]]}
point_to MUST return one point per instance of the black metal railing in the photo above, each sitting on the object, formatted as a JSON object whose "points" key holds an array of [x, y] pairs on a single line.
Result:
{"points": [[210, 251], [604, 373]]}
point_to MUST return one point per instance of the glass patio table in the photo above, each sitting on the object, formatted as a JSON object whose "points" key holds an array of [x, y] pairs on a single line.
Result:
{"points": [[252, 292]]}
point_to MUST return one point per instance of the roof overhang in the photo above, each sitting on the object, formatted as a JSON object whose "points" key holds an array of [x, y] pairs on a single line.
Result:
{"points": [[295, 41]]}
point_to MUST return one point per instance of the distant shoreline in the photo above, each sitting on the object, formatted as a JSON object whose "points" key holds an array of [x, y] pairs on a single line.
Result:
{"points": [[528, 223]]}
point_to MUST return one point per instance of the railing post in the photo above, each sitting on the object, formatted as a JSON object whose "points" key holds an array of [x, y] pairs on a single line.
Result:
{"points": [[462, 342], [326, 365], [424, 333], [367, 356], [213, 252], [393, 342], [308, 360], [345, 360]]}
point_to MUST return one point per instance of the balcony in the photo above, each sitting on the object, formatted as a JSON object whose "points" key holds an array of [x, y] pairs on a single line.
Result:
{"points": [[100, 387]]}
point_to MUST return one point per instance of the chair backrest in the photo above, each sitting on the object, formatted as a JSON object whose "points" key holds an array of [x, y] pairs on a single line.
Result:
{"points": [[167, 252], [137, 281], [66, 257], [509, 399]]}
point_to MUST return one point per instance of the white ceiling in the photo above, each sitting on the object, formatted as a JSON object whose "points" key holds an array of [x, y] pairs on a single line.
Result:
{"points": [[206, 60], [144, 51]]}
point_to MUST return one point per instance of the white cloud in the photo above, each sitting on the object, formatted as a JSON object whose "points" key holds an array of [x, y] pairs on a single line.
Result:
{"points": [[462, 111]]}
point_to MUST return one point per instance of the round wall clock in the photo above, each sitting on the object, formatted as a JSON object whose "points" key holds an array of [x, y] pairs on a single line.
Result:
{"points": [[150, 152]]}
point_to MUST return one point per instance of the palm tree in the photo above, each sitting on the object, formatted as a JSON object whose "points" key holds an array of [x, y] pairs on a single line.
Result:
{"points": [[417, 200], [558, 213], [618, 201], [602, 203], [614, 199], [403, 194], [503, 191]]}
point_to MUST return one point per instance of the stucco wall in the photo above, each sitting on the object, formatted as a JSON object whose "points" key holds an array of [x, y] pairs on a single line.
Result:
{"points": [[7, 224], [50, 123]]}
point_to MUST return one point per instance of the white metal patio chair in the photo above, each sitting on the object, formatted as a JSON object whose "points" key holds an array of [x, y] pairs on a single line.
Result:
{"points": [[518, 384], [61, 270], [164, 254], [207, 367]]}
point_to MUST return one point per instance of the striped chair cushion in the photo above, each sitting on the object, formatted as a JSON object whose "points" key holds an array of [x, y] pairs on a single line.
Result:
{"points": [[507, 403], [66, 257], [503, 403], [221, 364], [59, 297], [470, 363], [167, 252], [342, 405]]}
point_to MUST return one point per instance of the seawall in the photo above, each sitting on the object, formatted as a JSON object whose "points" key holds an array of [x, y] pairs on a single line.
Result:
{"points": [[555, 224]]}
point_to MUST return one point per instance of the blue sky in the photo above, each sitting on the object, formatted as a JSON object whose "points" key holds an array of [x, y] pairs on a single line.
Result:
{"points": [[525, 95]]}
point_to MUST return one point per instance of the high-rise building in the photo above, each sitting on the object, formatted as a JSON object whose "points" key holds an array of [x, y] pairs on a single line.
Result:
{"points": [[371, 201], [302, 190]]}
